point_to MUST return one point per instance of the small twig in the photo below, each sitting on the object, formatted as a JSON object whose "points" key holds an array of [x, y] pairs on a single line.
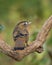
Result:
{"points": [[41, 37]]}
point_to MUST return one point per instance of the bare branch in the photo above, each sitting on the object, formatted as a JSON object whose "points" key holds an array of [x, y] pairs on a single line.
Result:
{"points": [[41, 37]]}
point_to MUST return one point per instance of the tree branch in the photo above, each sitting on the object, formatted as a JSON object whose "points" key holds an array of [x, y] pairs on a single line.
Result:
{"points": [[40, 39]]}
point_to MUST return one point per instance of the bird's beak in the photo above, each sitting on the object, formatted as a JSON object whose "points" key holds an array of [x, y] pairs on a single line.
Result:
{"points": [[29, 22]]}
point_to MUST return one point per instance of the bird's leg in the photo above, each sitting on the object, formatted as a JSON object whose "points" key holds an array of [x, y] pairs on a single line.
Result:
{"points": [[27, 44]]}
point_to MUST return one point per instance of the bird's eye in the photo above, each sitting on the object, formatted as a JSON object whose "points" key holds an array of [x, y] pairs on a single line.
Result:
{"points": [[25, 23]]}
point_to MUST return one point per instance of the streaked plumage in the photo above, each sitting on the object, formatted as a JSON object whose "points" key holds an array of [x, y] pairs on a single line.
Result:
{"points": [[21, 35]]}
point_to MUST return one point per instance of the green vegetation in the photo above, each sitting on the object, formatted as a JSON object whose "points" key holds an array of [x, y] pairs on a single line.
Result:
{"points": [[36, 11]]}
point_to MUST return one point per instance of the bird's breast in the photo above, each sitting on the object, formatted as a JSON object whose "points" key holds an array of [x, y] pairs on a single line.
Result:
{"points": [[20, 42]]}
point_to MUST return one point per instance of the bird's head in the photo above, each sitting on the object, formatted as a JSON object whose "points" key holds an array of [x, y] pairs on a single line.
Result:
{"points": [[24, 24]]}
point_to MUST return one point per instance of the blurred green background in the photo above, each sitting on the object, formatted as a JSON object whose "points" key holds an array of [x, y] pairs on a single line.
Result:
{"points": [[36, 11]]}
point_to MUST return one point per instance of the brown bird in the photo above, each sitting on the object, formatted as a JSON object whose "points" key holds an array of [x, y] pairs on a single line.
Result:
{"points": [[21, 35]]}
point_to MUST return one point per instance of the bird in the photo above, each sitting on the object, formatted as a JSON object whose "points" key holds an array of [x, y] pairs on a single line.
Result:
{"points": [[21, 35]]}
